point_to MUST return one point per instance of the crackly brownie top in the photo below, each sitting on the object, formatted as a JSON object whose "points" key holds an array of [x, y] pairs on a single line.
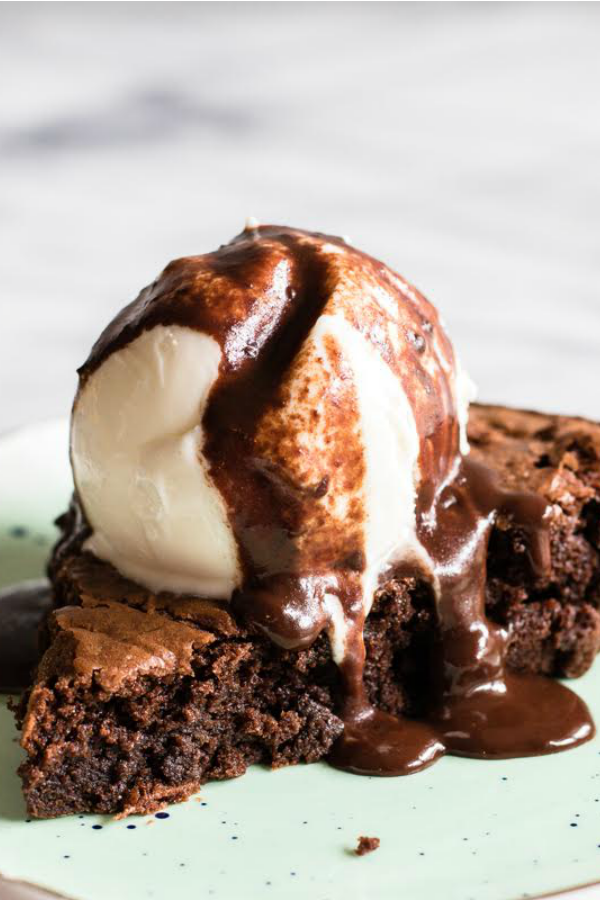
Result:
{"points": [[556, 456], [110, 642], [89, 579]]}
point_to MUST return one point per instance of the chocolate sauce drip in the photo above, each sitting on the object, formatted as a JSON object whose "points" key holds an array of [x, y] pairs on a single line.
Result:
{"points": [[374, 742], [480, 709], [23, 608], [259, 298], [264, 511]]}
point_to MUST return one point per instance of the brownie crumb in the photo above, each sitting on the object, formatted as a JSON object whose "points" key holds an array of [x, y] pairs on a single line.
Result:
{"points": [[366, 845]]}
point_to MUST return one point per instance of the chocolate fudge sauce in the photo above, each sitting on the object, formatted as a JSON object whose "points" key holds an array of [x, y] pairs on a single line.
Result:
{"points": [[481, 709], [259, 298], [22, 610]]}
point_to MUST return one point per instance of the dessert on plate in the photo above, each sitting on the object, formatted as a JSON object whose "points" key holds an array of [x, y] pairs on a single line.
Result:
{"points": [[293, 538]]}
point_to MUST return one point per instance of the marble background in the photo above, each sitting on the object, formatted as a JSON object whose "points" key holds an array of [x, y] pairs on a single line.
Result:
{"points": [[458, 142]]}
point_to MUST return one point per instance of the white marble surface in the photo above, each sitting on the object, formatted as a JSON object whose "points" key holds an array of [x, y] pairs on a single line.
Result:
{"points": [[460, 143]]}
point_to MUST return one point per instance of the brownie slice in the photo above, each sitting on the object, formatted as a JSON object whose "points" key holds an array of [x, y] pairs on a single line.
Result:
{"points": [[554, 623], [141, 698]]}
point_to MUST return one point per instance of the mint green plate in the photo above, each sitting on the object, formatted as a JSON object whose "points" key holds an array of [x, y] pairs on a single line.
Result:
{"points": [[460, 830]]}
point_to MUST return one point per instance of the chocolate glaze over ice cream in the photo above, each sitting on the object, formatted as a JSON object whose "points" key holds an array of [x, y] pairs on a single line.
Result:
{"points": [[281, 424]]}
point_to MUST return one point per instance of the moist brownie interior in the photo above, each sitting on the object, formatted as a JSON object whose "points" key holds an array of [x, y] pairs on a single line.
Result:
{"points": [[141, 698]]}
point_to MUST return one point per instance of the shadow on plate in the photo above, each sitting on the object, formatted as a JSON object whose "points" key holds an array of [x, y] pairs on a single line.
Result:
{"points": [[23, 554]]}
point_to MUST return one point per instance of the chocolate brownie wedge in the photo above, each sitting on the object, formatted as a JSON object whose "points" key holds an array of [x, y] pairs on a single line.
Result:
{"points": [[141, 698]]}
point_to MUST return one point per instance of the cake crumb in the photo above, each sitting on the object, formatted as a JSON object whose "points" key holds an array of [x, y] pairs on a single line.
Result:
{"points": [[366, 845]]}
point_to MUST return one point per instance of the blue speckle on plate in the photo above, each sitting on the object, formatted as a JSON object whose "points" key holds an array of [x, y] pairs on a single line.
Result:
{"points": [[97, 827], [130, 826], [18, 531], [161, 815]]}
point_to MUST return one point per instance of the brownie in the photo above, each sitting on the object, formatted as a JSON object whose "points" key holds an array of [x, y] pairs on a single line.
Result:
{"points": [[366, 845], [141, 698]]}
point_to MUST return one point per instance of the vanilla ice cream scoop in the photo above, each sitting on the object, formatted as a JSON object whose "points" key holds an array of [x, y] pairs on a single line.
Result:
{"points": [[270, 421]]}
